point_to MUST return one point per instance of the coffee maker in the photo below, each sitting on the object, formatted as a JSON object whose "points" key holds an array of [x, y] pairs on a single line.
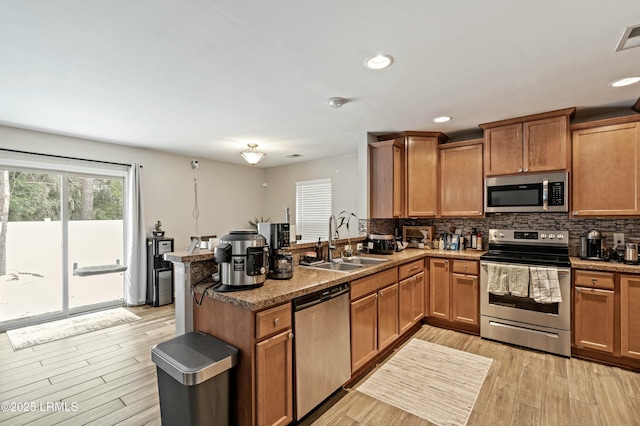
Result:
{"points": [[591, 246], [280, 262]]}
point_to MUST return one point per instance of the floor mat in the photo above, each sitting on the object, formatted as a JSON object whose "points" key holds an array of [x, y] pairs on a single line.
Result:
{"points": [[434, 382], [25, 337]]}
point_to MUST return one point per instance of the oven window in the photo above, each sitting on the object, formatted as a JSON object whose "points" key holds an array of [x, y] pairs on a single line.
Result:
{"points": [[515, 195], [525, 303]]}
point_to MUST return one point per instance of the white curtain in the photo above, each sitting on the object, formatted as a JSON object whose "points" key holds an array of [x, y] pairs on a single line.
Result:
{"points": [[135, 278]]}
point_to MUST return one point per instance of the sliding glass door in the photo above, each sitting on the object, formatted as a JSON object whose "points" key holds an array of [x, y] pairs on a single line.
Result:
{"points": [[31, 284], [50, 223]]}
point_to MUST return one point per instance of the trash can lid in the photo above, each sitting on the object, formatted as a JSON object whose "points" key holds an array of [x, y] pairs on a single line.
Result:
{"points": [[194, 357]]}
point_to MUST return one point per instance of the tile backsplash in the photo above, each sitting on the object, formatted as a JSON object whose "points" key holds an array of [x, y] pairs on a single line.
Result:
{"points": [[548, 221]]}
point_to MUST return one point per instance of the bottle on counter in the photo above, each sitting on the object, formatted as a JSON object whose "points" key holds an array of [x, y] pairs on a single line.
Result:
{"points": [[474, 239], [479, 247]]}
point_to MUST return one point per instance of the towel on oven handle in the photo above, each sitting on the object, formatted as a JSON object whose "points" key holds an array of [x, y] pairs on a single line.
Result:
{"points": [[545, 286], [497, 276]]}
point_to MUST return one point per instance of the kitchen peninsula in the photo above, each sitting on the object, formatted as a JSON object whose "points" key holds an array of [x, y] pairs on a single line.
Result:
{"points": [[259, 321]]}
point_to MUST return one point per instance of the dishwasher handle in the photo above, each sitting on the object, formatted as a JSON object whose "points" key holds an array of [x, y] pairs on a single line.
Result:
{"points": [[312, 299]]}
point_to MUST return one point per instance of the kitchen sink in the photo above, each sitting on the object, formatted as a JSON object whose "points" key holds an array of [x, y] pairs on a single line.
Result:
{"points": [[347, 264], [363, 260], [340, 266]]}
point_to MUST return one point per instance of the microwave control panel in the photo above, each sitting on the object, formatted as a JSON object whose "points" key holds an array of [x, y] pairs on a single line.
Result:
{"points": [[556, 197]]}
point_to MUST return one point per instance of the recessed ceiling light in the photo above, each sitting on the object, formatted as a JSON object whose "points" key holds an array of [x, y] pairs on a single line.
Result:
{"points": [[336, 102], [442, 119], [378, 62], [625, 81]]}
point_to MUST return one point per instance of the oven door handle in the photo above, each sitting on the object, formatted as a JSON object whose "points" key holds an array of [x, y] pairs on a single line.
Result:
{"points": [[545, 194], [565, 271]]}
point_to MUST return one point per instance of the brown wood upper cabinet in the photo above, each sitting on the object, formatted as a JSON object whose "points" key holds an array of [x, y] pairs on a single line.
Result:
{"points": [[404, 174], [606, 168], [461, 179], [535, 143], [386, 170]]}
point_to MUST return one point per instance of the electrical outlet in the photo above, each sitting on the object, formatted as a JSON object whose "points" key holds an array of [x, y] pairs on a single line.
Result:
{"points": [[618, 236], [359, 246]]}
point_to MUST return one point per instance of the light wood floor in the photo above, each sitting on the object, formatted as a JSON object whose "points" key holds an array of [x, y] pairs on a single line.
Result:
{"points": [[106, 377], [523, 387], [110, 376]]}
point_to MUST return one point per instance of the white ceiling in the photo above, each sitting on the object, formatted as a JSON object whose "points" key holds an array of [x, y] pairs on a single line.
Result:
{"points": [[205, 77]]}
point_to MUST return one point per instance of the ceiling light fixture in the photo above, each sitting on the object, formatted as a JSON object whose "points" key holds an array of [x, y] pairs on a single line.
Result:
{"points": [[442, 119], [625, 81], [378, 62], [252, 156], [336, 102]]}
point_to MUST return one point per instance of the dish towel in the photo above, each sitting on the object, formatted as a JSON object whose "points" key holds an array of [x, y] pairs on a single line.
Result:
{"points": [[545, 286], [497, 276], [518, 279]]}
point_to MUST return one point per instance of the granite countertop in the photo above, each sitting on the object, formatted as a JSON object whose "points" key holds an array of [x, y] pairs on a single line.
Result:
{"points": [[594, 265], [306, 280]]}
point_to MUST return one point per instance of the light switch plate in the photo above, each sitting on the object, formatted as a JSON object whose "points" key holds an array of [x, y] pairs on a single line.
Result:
{"points": [[618, 236]]}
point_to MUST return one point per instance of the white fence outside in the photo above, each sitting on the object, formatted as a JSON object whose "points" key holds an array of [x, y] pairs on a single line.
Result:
{"points": [[33, 284]]}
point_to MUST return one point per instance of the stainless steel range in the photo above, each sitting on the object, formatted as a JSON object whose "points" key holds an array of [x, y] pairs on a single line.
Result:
{"points": [[525, 289]]}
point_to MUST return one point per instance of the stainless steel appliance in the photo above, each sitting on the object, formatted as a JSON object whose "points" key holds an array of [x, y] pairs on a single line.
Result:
{"points": [[322, 346], [243, 260], [522, 320], [631, 253], [530, 192], [591, 246], [159, 272], [381, 243], [278, 238]]}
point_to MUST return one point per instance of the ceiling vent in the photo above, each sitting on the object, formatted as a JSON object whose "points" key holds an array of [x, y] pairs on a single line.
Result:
{"points": [[630, 38]]}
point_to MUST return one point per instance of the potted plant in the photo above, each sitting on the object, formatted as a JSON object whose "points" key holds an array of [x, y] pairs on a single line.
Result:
{"points": [[344, 218], [157, 230], [254, 223]]}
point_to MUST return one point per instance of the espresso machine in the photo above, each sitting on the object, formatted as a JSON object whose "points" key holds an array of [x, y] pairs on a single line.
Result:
{"points": [[280, 261]]}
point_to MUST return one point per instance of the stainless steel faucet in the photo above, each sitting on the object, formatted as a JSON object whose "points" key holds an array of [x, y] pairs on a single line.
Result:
{"points": [[332, 238]]}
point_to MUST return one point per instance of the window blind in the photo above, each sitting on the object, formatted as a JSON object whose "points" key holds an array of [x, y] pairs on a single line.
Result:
{"points": [[313, 209]]}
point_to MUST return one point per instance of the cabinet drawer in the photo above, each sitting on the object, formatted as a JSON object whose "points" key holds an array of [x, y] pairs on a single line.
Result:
{"points": [[409, 269], [469, 267], [372, 283], [594, 279], [273, 320]]}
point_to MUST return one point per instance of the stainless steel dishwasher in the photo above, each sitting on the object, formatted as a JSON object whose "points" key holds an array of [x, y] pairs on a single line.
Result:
{"points": [[322, 345]]}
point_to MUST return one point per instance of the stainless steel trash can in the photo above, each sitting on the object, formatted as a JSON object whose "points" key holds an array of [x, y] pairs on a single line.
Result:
{"points": [[194, 372]]}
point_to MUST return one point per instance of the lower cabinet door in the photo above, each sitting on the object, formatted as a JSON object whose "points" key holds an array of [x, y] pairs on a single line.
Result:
{"points": [[364, 330], [630, 315], [465, 299], [439, 299], [388, 327], [594, 319], [274, 380], [405, 288], [418, 297]]}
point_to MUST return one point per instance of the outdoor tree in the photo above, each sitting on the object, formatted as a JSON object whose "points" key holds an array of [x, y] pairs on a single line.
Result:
{"points": [[5, 196]]}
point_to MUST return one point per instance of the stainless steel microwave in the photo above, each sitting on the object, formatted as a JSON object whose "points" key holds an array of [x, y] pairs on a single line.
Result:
{"points": [[527, 193]]}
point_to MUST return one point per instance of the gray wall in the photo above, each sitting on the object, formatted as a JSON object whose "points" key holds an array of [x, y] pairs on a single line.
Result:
{"points": [[229, 195], [280, 191]]}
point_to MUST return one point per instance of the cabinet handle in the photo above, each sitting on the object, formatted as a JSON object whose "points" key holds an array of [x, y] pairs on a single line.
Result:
{"points": [[594, 280], [464, 267], [575, 212], [276, 321], [578, 290], [290, 336], [526, 169], [381, 294], [519, 170]]}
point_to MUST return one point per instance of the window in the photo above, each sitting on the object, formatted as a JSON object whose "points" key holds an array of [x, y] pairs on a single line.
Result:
{"points": [[313, 209]]}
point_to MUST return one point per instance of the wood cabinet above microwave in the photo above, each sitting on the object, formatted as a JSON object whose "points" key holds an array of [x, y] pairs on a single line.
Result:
{"points": [[530, 144]]}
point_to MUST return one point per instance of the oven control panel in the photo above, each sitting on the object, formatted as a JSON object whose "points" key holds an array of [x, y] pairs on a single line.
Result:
{"points": [[530, 237]]}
